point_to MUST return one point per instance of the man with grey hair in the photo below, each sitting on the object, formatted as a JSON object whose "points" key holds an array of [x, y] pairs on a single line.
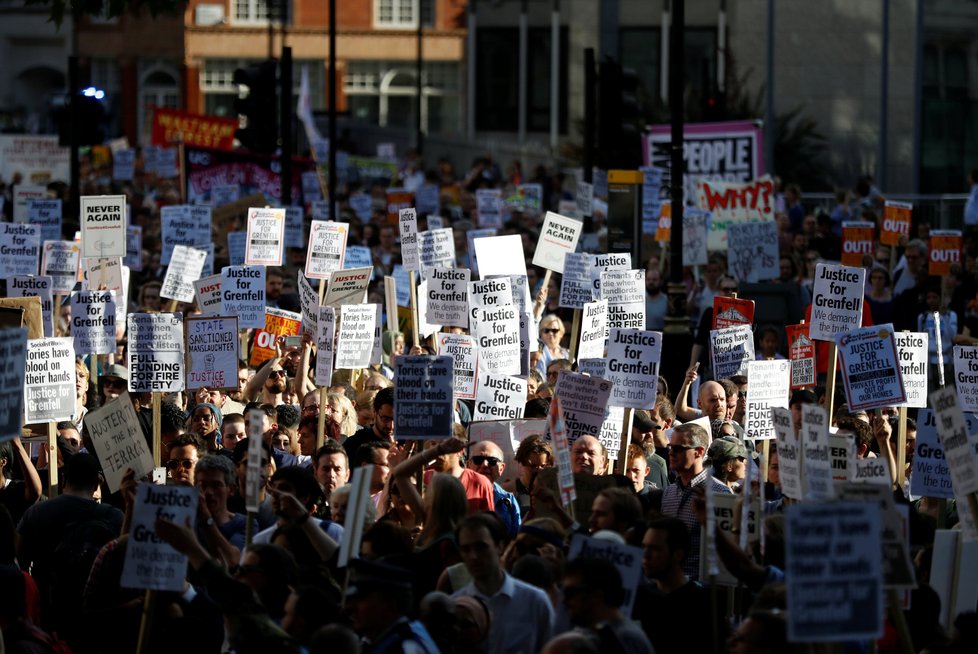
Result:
{"points": [[221, 531], [687, 447], [914, 270]]}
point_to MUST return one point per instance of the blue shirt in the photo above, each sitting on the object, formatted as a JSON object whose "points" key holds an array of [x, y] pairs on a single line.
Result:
{"points": [[507, 508]]}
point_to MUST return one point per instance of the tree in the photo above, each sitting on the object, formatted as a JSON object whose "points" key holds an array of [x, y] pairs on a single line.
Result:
{"points": [[77, 9]]}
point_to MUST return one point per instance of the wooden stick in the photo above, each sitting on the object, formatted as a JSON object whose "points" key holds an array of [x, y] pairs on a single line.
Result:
{"points": [[414, 310], [93, 370], [157, 398], [321, 429], [249, 528], [172, 306], [390, 297], [626, 439], [56, 310], [765, 453], [830, 378], [52, 459], [538, 309], [575, 334], [146, 622], [901, 454]]}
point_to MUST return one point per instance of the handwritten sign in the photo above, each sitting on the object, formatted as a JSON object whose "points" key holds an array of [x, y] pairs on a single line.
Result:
{"points": [[594, 330], [730, 203], [212, 352], [753, 252], [119, 441]]}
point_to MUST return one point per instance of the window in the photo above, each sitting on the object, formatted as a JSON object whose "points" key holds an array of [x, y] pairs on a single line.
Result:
{"points": [[401, 14], [219, 89], [385, 93], [260, 11]]}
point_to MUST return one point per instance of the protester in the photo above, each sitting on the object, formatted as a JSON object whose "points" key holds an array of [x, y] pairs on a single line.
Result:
{"points": [[487, 459]]}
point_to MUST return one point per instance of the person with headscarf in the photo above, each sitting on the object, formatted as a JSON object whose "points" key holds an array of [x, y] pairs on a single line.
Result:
{"points": [[205, 423]]}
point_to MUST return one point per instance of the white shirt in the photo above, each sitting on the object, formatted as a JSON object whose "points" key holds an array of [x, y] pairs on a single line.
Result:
{"points": [[522, 617]]}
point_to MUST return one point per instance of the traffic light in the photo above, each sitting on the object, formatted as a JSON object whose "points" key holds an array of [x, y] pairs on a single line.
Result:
{"points": [[620, 121], [93, 119], [257, 104]]}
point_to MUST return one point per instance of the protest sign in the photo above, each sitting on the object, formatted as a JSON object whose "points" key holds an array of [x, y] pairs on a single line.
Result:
{"points": [[20, 246], [173, 125], [604, 262], [944, 250], [46, 214], [347, 286], [465, 367], [324, 343], [695, 229], [912, 350], [633, 367], [185, 267], [294, 237], [651, 198], [768, 389], [93, 322], [731, 348], [837, 301], [59, 261], [857, 242], [237, 242], [817, 465], [448, 297], [584, 401], [254, 423], [266, 237], [498, 337], [732, 311], [34, 286], [959, 451], [423, 403], [488, 204], [278, 322], [584, 195], [119, 441], [470, 237], [612, 428], [625, 292], [222, 194], [427, 199], [801, 353], [408, 226], [103, 225], [436, 249], [23, 195], [594, 330], [500, 255], [309, 302], [489, 293], [789, 453], [898, 571], [13, 360], [871, 368], [896, 222], [842, 452], [663, 228], [575, 283], [207, 290], [966, 376], [327, 248], [243, 295], [150, 562], [156, 352], [212, 352], [358, 256], [627, 559], [33, 157], [731, 203], [49, 380], [753, 252], [398, 199], [833, 560], [931, 475], [558, 236], [134, 248], [183, 224], [123, 165], [356, 340], [499, 397], [873, 470], [402, 282]]}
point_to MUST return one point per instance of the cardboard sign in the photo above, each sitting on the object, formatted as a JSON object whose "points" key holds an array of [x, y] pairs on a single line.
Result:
{"points": [[633, 367], [753, 253], [575, 283], [266, 237], [912, 350], [423, 403], [40, 287], [584, 401], [594, 330], [499, 397], [208, 293], [93, 322], [857, 242], [407, 222], [966, 376], [931, 475], [46, 214], [103, 225], [500, 255], [348, 286], [817, 464], [769, 381], [833, 559], [730, 203], [695, 230], [327, 248], [896, 222], [49, 380], [20, 247], [151, 563], [731, 311], [212, 352], [488, 202], [837, 301], [558, 236], [237, 242], [356, 340], [627, 559], [59, 261], [801, 353], [278, 322], [448, 297], [944, 251], [243, 295], [324, 342], [625, 292], [184, 269], [156, 353], [959, 452], [789, 453], [731, 349], [871, 368], [13, 360], [465, 362], [119, 441]]}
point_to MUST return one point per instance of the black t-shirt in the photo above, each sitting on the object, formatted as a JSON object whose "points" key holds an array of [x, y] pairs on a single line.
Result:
{"points": [[674, 622], [363, 436], [12, 497]]}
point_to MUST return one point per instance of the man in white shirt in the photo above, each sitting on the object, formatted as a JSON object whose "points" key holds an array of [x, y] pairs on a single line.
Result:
{"points": [[522, 617]]}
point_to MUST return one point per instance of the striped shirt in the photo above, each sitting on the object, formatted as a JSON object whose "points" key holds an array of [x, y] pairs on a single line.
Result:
{"points": [[677, 502]]}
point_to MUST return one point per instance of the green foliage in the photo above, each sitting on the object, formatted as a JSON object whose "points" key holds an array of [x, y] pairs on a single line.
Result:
{"points": [[58, 9]]}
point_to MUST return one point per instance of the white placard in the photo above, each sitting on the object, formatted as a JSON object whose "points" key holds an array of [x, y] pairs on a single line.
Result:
{"points": [[327, 248], [465, 368], [134, 248], [207, 290], [912, 350], [448, 297], [470, 237], [817, 462], [633, 367], [625, 292], [627, 559], [408, 226], [436, 249], [20, 247], [423, 402], [182, 225], [931, 475], [156, 352], [731, 349], [243, 295], [594, 330], [49, 380], [212, 352], [103, 225], [35, 286], [768, 387], [46, 213], [500, 255], [871, 368], [13, 361], [752, 251], [348, 286], [309, 301], [499, 397], [151, 563], [324, 343], [93, 315], [23, 194], [498, 334], [584, 403], [356, 340], [789, 453], [358, 256], [837, 301], [119, 441], [695, 228], [558, 236], [959, 451], [59, 261], [185, 268], [266, 237], [576, 285]]}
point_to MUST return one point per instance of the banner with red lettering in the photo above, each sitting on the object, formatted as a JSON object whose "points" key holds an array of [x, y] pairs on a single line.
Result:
{"points": [[277, 323], [801, 352], [945, 250], [857, 241], [896, 222], [730, 203], [206, 168], [172, 126]]}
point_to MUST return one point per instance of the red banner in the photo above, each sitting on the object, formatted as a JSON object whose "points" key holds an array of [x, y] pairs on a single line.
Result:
{"points": [[896, 222], [801, 352], [171, 126], [730, 311], [857, 241], [945, 250]]}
